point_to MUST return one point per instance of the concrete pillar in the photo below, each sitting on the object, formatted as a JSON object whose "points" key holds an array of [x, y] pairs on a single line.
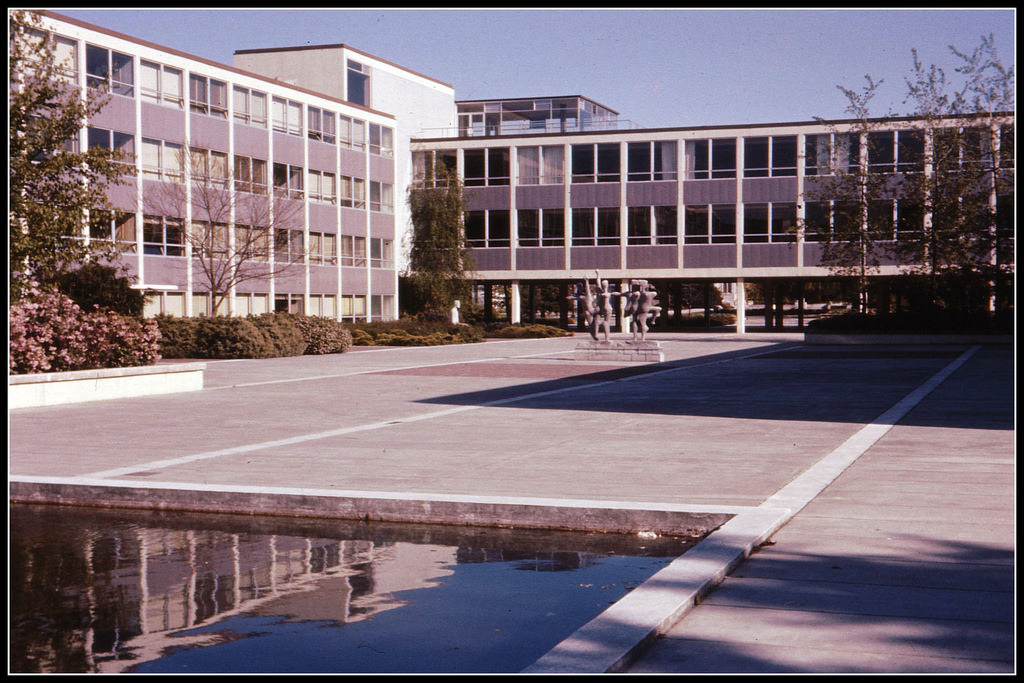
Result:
{"points": [[622, 325], [514, 303], [563, 305], [488, 303], [531, 308], [800, 304], [741, 307]]}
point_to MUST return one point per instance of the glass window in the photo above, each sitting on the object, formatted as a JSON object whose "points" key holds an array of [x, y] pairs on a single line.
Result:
{"points": [[553, 228], [528, 159], [553, 159], [474, 167], [881, 152], [783, 222], [723, 158], [321, 124], [498, 166], [583, 168], [665, 224], [723, 223], [696, 224], [583, 233], [65, 55], [608, 163], [638, 161], [208, 96], [529, 227], [755, 222], [784, 156], [816, 223], [475, 226], [109, 69], [250, 107], [755, 158], [639, 230], [358, 83], [697, 159], [499, 228], [608, 225], [910, 151]]}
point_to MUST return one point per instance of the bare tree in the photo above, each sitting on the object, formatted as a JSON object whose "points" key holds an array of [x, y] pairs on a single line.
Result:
{"points": [[240, 230]]}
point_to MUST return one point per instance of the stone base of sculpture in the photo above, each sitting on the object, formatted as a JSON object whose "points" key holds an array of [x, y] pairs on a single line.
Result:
{"points": [[628, 351]]}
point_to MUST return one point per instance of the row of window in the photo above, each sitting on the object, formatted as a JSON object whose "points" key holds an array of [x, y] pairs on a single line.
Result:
{"points": [[163, 160], [165, 236], [774, 222], [162, 84], [768, 156], [346, 307]]}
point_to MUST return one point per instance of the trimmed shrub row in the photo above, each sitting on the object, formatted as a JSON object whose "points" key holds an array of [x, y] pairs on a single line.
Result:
{"points": [[535, 331], [51, 333], [413, 332], [271, 335]]}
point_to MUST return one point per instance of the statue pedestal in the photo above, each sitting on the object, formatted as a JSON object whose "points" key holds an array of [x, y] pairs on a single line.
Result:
{"points": [[629, 351]]}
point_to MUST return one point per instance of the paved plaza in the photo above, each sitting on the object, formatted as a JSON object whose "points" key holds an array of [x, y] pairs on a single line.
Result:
{"points": [[866, 493]]}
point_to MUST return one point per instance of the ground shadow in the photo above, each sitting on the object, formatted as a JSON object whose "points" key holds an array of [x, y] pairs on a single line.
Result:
{"points": [[952, 609], [798, 384]]}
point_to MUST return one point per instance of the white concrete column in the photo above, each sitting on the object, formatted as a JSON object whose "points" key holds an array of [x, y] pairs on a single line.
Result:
{"points": [[514, 303], [741, 306]]}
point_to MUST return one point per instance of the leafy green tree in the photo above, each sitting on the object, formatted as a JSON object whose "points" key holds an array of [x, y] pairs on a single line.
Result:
{"points": [[440, 265], [52, 184], [961, 244], [949, 174]]}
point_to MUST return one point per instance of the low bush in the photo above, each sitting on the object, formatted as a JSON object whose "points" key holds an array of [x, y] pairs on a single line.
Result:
{"points": [[413, 332], [925, 320], [227, 337], [177, 336], [270, 335], [529, 332], [48, 332], [282, 335], [323, 335]]}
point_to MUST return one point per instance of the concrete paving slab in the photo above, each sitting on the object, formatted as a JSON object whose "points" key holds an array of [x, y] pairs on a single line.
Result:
{"points": [[752, 428]]}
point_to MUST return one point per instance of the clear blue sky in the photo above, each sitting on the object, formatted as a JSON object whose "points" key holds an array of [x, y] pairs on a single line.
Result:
{"points": [[657, 67]]}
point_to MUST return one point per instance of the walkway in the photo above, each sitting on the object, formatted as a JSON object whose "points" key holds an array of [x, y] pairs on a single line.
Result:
{"points": [[902, 562]]}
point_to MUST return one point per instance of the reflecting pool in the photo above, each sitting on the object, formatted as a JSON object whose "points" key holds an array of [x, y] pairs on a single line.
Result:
{"points": [[139, 591]]}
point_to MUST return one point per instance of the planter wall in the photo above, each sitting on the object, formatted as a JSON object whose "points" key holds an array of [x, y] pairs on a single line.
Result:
{"points": [[56, 388]]}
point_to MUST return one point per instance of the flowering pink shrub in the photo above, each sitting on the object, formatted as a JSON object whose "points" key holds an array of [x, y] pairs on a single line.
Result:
{"points": [[50, 333]]}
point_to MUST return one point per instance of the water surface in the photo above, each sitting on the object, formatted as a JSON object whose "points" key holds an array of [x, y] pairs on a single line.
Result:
{"points": [[135, 591]]}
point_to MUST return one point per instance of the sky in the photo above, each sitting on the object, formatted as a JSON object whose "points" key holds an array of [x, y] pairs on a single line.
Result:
{"points": [[659, 68]]}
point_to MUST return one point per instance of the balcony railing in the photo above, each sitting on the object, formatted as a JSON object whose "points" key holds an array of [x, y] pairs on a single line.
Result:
{"points": [[547, 126]]}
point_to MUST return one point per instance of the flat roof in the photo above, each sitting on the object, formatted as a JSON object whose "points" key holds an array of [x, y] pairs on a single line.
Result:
{"points": [[163, 48], [336, 46], [544, 97]]}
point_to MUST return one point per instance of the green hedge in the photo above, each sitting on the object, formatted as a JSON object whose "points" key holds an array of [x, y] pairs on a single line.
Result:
{"points": [[413, 332], [529, 332], [271, 335]]}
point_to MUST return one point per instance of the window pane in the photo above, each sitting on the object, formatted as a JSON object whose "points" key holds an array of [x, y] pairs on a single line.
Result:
{"points": [[608, 163], [639, 161], [696, 224], [755, 157], [529, 165], [554, 165], [149, 81], [723, 223], [665, 160], [784, 156]]}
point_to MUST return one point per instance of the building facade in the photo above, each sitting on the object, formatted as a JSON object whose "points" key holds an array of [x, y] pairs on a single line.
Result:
{"points": [[554, 199], [557, 188], [210, 142]]}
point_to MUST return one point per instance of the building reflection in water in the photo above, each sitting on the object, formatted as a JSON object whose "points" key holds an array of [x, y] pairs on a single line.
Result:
{"points": [[101, 592]]}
